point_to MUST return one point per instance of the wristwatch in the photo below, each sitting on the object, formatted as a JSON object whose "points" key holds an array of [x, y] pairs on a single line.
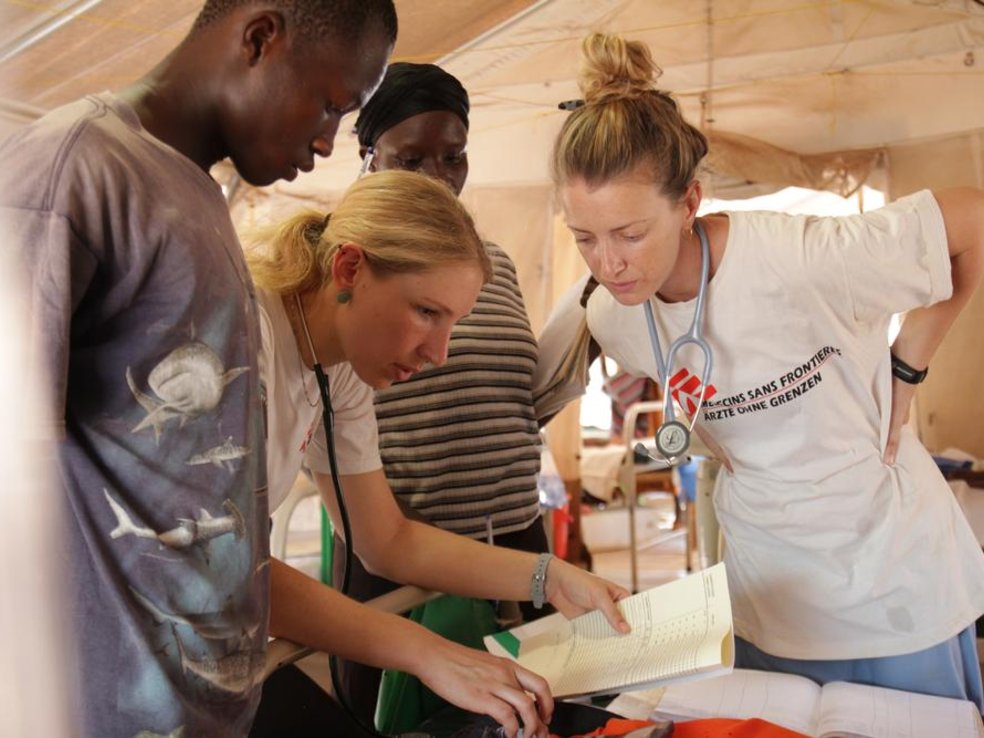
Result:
{"points": [[906, 373]]}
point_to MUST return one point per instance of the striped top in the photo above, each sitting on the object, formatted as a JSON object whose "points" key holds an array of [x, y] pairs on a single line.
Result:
{"points": [[460, 443]]}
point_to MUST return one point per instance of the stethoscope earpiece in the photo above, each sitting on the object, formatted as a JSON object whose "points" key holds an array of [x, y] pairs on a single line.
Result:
{"points": [[366, 162]]}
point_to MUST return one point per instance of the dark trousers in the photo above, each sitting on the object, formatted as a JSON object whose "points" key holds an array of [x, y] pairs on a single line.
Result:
{"points": [[293, 705], [360, 683]]}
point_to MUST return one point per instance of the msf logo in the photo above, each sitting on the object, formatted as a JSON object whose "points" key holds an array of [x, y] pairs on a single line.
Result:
{"points": [[686, 390]]}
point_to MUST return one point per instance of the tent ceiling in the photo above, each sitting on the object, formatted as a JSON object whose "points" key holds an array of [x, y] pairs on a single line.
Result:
{"points": [[807, 75], [53, 52]]}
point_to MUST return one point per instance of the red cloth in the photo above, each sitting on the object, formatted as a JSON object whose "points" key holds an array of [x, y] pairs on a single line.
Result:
{"points": [[732, 728], [614, 727]]}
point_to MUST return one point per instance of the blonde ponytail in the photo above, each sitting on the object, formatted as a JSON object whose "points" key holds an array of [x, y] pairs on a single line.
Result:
{"points": [[403, 221]]}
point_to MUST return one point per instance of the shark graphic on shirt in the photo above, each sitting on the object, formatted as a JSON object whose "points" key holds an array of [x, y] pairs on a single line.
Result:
{"points": [[188, 382], [220, 456], [188, 531]]}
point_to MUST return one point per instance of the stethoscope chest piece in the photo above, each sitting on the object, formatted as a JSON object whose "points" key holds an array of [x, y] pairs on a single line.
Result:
{"points": [[672, 439]]}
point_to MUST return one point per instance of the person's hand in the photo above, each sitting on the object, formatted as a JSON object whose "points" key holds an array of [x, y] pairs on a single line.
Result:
{"points": [[902, 394], [574, 591], [488, 685]]}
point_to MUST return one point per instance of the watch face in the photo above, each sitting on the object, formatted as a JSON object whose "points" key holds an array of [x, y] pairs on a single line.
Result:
{"points": [[672, 439]]}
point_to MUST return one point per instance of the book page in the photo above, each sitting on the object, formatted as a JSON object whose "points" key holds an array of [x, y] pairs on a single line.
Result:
{"points": [[638, 704], [784, 699], [678, 630], [876, 712]]}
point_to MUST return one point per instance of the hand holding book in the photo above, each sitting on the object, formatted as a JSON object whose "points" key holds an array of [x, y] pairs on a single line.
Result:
{"points": [[680, 631], [574, 591]]}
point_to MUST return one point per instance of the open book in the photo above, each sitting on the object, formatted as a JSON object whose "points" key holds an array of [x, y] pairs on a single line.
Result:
{"points": [[680, 631], [836, 710]]}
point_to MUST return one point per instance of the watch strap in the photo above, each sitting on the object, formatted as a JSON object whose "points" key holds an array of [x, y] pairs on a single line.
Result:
{"points": [[538, 584], [906, 373]]}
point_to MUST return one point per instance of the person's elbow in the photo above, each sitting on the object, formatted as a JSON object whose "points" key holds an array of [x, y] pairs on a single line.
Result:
{"points": [[382, 548], [963, 218]]}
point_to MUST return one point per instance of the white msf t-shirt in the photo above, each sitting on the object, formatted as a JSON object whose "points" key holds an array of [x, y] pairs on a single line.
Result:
{"points": [[831, 553], [295, 435]]}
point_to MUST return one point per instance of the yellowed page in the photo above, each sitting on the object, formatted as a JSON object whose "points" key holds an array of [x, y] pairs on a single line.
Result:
{"points": [[679, 630]]}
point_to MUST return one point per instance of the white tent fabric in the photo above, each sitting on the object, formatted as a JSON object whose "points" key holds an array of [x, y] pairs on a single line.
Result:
{"points": [[826, 95], [822, 93]]}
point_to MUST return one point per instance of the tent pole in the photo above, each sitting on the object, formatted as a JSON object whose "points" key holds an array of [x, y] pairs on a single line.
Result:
{"points": [[60, 16]]}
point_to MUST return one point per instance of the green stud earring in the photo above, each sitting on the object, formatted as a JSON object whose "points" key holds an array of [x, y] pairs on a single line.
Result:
{"points": [[343, 296]]}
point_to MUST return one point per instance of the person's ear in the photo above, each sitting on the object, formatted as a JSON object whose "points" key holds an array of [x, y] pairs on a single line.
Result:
{"points": [[692, 199], [261, 31], [345, 266]]}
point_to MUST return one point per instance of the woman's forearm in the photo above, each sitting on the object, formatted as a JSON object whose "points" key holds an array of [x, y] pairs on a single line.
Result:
{"points": [[436, 559], [312, 614]]}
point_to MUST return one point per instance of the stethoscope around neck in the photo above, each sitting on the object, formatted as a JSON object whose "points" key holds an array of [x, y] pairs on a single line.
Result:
{"points": [[328, 421], [673, 436]]}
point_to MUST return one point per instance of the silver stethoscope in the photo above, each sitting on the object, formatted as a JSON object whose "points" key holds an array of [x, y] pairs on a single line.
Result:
{"points": [[672, 436]]}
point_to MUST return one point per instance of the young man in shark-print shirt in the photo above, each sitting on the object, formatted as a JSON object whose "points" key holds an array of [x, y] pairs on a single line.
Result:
{"points": [[145, 330]]}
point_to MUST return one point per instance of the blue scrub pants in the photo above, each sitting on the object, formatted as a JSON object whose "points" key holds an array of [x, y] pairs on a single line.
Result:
{"points": [[949, 669]]}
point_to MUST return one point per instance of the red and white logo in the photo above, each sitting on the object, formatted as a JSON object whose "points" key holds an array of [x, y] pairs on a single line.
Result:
{"points": [[686, 390]]}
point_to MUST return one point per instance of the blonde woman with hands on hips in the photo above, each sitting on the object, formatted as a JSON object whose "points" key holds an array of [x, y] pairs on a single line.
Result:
{"points": [[848, 558]]}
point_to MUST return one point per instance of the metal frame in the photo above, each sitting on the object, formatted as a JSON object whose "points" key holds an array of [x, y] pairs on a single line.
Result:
{"points": [[627, 483]]}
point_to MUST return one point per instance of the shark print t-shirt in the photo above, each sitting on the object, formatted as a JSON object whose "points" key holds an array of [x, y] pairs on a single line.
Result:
{"points": [[147, 334], [831, 553]]}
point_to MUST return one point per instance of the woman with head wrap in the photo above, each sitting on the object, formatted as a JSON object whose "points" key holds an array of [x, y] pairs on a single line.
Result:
{"points": [[459, 442], [417, 120]]}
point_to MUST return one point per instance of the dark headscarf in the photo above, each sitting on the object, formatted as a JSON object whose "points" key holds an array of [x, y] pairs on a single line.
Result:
{"points": [[408, 90]]}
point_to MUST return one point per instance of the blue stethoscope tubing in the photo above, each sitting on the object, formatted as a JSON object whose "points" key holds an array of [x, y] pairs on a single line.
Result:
{"points": [[693, 336]]}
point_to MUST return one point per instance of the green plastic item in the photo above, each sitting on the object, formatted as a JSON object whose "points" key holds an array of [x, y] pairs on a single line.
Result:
{"points": [[327, 546], [404, 703]]}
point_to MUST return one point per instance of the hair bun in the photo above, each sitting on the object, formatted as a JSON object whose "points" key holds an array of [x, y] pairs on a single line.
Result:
{"points": [[612, 67]]}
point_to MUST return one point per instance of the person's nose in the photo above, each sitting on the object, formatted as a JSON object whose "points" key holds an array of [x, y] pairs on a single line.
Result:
{"points": [[610, 261], [435, 349], [324, 143]]}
